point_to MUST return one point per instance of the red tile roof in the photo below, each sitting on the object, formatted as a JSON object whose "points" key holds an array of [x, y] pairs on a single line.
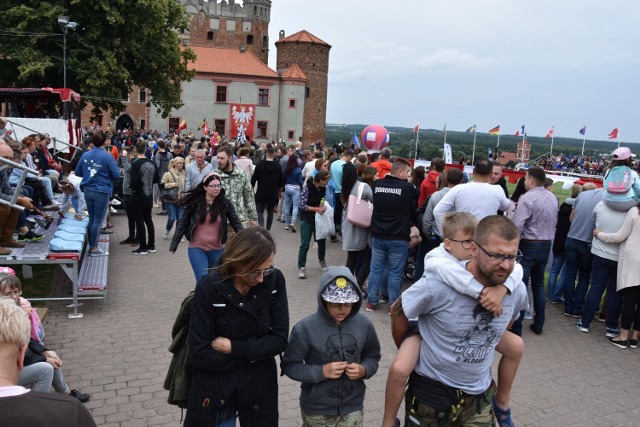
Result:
{"points": [[303, 37], [219, 60], [294, 72]]}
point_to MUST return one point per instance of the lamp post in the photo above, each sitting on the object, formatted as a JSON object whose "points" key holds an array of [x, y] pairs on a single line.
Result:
{"points": [[66, 25]]}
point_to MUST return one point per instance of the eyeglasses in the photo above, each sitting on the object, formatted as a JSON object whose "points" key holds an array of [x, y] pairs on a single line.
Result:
{"points": [[255, 274], [215, 186], [466, 244], [500, 257], [16, 292], [340, 304]]}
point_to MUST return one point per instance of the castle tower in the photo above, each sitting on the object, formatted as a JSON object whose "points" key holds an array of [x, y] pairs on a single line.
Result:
{"points": [[227, 24], [312, 55]]}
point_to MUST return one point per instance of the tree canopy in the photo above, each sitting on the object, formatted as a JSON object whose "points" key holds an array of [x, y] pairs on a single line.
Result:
{"points": [[117, 44]]}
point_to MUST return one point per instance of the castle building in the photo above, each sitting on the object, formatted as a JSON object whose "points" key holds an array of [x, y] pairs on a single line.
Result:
{"points": [[231, 42], [312, 56]]}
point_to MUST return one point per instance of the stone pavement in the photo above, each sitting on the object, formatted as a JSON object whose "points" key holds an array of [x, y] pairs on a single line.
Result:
{"points": [[118, 351]]}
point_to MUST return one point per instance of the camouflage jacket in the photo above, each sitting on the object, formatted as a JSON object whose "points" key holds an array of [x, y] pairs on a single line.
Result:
{"points": [[238, 189]]}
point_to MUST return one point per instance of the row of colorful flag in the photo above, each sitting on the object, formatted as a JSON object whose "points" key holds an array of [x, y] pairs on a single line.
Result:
{"points": [[521, 132]]}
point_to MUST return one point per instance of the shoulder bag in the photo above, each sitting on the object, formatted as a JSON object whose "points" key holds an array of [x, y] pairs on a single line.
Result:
{"points": [[359, 211]]}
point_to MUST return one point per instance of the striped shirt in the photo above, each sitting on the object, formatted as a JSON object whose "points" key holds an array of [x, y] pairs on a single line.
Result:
{"points": [[537, 214]]}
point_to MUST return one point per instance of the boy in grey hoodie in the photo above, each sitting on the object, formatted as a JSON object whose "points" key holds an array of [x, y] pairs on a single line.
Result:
{"points": [[332, 351]]}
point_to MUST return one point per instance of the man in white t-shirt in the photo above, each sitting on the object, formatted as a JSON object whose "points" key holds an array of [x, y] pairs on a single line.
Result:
{"points": [[479, 197]]}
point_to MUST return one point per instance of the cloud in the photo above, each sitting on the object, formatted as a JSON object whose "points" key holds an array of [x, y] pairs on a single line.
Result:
{"points": [[453, 58]]}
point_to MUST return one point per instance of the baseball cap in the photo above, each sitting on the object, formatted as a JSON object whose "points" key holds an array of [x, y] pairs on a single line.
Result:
{"points": [[622, 153], [340, 291]]}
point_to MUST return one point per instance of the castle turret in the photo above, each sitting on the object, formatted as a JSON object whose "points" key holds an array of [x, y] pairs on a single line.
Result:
{"points": [[311, 54], [228, 24]]}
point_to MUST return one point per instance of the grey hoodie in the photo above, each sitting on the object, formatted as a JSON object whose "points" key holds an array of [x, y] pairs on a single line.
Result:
{"points": [[318, 339]]}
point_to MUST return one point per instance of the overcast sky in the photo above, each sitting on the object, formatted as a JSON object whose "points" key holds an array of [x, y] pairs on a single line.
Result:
{"points": [[539, 63]]}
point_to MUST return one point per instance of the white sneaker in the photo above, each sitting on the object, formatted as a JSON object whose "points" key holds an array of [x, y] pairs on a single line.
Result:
{"points": [[323, 265], [113, 210], [165, 234], [302, 273], [115, 202]]}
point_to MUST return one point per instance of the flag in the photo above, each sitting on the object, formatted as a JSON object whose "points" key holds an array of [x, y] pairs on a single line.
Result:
{"points": [[355, 141], [520, 131], [613, 134], [203, 124], [205, 129], [471, 129], [183, 126], [415, 129], [448, 158], [495, 130], [583, 130], [550, 133]]}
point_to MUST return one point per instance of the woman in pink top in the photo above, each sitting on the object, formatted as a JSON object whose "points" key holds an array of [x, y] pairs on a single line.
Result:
{"points": [[204, 224]]}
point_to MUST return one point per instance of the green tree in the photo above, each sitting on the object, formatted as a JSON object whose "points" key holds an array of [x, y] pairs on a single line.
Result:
{"points": [[117, 44]]}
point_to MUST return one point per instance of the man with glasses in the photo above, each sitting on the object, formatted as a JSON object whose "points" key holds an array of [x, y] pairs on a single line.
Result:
{"points": [[536, 218], [452, 383], [394, 211]]}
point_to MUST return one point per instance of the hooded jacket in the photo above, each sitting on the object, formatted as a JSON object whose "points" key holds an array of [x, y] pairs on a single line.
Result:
{"points": [[317, 340]]}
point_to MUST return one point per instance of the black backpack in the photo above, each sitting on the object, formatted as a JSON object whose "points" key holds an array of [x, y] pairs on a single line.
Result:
{"points": [[178, 379]]}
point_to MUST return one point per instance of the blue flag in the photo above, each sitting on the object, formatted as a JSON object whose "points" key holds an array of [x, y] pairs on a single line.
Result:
{"points": [[355, 140], [583, 130]]}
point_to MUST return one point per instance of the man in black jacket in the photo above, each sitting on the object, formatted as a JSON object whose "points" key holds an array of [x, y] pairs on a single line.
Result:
{"points": [[270, 179], [394, 211], [144, 174]]}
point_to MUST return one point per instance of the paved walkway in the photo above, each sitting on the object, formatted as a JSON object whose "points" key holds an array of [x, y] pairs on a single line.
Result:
{"points": [[118, 351]]}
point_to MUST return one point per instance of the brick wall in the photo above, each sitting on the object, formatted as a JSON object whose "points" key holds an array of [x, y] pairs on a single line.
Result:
{"points": [[314, 61]]}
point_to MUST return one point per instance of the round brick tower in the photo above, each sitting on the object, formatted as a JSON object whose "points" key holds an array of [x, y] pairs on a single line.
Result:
{"points": [[312, 55]]}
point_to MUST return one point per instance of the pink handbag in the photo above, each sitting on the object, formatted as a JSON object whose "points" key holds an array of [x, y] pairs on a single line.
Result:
{"points": [[359, 211]]}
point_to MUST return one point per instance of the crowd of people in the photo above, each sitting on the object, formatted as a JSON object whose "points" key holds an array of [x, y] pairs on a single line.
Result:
{"points": [[475, 248], [587, 165]]}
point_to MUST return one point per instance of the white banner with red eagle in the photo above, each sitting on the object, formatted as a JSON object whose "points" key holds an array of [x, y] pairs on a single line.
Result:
{"points": [[242, 121]]}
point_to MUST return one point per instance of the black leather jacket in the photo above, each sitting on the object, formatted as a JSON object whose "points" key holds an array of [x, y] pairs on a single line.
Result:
{"points": [[189, 220]]}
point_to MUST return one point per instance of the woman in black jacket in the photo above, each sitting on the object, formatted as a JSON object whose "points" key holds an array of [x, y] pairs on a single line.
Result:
{"points": [[204, 224], [239, 322]]}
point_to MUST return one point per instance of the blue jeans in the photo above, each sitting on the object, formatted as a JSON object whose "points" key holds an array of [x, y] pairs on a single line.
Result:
{"points": [[603, 276], [291, 195], [554, 286], [97, 204], [577, 263], [174, 213], [535, 256], [201, 260], [391, 254]]}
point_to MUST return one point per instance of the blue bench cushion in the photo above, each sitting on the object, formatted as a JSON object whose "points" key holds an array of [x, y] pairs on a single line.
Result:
{"points": [[61, 234], [58, 244], [71, 228]]}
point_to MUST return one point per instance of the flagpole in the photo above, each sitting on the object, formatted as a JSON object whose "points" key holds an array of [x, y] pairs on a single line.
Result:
{"points": [[551, 150], [415, 157], [523, 138], [584, 139], [618, 137], [473, 155]]}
